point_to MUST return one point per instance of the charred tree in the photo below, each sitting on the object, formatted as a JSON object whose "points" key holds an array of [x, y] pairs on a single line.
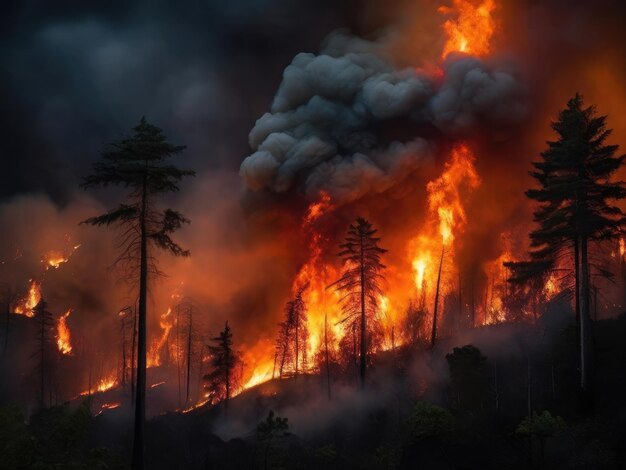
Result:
{"points": [[224, 360], [7, 319], [360, 282], [45, 323], [292, 341], [575, 195], [433, 336], [140, 163]]}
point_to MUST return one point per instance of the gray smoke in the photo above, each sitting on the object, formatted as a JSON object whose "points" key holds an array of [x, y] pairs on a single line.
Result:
{"points": [[323, 130]]}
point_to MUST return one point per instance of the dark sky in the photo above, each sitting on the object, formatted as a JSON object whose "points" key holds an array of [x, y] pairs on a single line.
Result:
{"points": [[78, 74]]}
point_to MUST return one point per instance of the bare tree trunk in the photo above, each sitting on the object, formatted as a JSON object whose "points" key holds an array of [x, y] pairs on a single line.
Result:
{"points": [[140, 400], [297, 321], [228, 369], [42, 342], [178, 358], [497, 386], [363, 323], [433, 336], [188, 355], [133, 369], [473, 300], [586, 340], [123, 353], [275, 359], [327, 360], [7, 322]]}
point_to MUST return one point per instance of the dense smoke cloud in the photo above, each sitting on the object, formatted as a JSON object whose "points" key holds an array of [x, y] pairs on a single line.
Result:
{"points": [[321, 130]]}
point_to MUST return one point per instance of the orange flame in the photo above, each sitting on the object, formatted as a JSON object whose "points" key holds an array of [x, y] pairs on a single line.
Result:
{"points": [[26, 305], [63, 334], [470, 26], [54, 259], [102, 385], [154, 355]]}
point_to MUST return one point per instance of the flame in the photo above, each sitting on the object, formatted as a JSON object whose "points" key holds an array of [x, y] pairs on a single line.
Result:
{"points": [[259, 375], [102, 385], [622, 248], [63, 334], [108, 406], [419, 266], [54, 258], [26, 305], [111, 406], [154, 355], [447, 217], [470, 27], [318, 275]]}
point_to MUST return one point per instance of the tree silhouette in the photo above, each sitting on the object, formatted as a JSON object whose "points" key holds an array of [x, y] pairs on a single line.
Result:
{"points": [[292, 342], [223, 378], [574, 194], [360, 282], [44, 322], [139, 163], [270, 435]]}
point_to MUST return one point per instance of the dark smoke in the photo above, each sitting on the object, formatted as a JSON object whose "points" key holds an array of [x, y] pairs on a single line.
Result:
{"points": [[322, 131]]}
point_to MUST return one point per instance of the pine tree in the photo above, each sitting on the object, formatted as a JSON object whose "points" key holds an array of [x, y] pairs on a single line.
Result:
{"points": [[223, 379], [575, 195], [139, 163], [292, 341], [360, 283]]}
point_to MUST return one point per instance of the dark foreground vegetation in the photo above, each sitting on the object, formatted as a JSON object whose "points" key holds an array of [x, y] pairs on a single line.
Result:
{"points": [[457, 406]]}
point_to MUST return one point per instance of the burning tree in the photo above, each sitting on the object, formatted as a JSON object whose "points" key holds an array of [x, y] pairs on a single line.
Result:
{"points": [[360, 284], [574, 193], [225, 362], [45, 323], [140, 163], [292, 342]]}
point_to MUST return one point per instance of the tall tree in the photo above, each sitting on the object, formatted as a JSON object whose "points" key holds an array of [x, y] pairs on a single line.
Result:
{"points": [[292, 341], [140, 163], [360, 282], [45, 323], [224, 377], [575, 197]]}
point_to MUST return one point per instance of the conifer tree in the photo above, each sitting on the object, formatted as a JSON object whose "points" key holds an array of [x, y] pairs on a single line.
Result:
{"points": [[140, 163], [360, 283], [575, 197]]}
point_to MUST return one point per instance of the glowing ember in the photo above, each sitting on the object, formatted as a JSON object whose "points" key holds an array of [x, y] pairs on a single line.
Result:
{"points": [[102, 385], [26, 305], [470, 26], [166, 323], [63, 334], [54, 259], [157, 384]]}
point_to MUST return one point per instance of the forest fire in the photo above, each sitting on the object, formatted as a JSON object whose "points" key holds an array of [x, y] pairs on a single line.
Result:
{"points": [[403, 211], [63, 334], [26, 305], [470, 27]]}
